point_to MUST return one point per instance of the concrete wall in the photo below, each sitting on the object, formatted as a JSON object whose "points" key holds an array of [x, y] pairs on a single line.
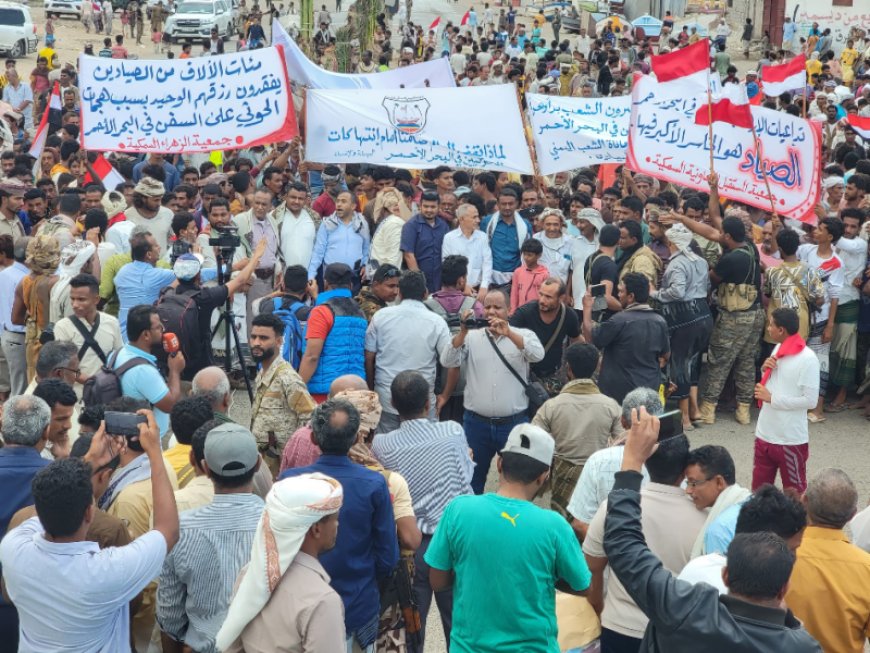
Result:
{"points": [[823, 12]]}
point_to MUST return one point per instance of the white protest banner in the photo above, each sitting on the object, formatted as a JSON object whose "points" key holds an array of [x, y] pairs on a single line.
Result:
{"points": [[665, 142], [431, 74], [222, 102], [475, 127], [571, 132]]}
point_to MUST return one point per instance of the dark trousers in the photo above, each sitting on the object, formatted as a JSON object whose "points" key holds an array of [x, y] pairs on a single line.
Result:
{"points": [[613, 642], [423, 593], [487, 437]]}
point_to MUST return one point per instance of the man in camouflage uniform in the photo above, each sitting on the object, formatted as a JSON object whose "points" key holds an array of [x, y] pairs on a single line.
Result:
{"points": [[282, 403], [736, 339], [383, 291]]}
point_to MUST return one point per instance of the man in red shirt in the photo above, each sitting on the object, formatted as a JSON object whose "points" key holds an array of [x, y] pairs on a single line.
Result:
{"points": [[325, 203]]}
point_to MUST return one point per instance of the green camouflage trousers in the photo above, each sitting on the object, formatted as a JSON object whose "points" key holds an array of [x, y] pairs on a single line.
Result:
{"points": [[735, 343]]}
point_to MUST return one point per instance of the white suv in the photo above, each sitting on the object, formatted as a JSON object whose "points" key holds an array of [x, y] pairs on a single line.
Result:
{"points": [[194, 20], [64, 7], [17, 31]]}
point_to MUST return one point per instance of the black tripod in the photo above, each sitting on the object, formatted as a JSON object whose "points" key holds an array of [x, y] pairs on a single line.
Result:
{"points": [[228, 317]]}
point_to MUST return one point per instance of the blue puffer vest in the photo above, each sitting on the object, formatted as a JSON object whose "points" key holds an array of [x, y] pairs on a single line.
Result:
{"points": [[344, 348]]}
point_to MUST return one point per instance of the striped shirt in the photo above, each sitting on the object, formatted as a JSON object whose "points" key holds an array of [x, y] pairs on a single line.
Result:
{"points": [[433, 458], [197, 580]]}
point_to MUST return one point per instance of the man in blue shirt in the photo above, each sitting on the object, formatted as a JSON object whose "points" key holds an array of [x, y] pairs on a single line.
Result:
{"points": [[367, 547], [173, 177], [25, 427], [143, 380], [422, 237], [12, 338], [506, 232], [343, 237]]}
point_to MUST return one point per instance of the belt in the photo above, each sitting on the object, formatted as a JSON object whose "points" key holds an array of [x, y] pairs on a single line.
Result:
{"points": [[495, 420], [20, 333], [264, 273]]}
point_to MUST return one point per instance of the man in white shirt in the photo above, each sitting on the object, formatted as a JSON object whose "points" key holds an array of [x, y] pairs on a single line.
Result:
{"points": [[50, 569], [148, 211], [766, 510], [670, 524], [298, 226], [469, 241], [789, 388], [103, 331], [583, 44], [495, 401]]}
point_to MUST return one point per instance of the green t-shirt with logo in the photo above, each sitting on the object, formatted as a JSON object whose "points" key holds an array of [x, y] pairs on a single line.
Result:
{"points": [[507, 555]]}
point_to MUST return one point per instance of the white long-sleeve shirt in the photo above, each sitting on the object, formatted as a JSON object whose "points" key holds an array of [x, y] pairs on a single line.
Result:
{"points": [[476, 250], [794, 389]]}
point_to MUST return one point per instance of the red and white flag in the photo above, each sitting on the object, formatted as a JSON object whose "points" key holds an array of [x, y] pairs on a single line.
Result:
{"points": [[54, 105], [786, 77], [465, 17], [860, 125], [691, 64], [731, 106], [435, 23], [109, 177]]}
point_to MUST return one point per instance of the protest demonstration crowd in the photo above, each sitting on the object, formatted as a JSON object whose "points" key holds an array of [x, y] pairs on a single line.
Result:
{"points": [[290, 354]]}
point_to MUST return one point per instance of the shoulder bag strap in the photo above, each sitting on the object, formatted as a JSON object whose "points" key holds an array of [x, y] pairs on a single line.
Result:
{"points": [[504, 360], [90, 338], [805, 294], [130, 364], [555, 335]]}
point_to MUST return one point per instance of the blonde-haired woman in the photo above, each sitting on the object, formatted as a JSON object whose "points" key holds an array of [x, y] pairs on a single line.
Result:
{"points": [[390, 215]]}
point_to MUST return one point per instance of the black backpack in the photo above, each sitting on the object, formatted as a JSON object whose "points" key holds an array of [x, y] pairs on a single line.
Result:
{"points": [[179, 314], [105, 385]]}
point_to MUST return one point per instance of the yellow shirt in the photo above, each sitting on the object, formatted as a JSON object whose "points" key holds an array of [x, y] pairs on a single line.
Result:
{"points": [[828, 590], [814, 67], [179, 457]]}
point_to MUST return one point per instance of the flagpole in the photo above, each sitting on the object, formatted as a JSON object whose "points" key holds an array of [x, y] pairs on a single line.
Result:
{"points": [[710, 117], [527, 133], [758, 153]]}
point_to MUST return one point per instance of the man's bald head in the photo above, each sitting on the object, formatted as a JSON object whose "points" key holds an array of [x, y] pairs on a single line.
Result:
{"points": [[347, 382], [213, 384], [831, 498]]}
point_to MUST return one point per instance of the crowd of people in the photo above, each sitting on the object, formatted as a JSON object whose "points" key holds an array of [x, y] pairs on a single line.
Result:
{"points": [[403, 332]]}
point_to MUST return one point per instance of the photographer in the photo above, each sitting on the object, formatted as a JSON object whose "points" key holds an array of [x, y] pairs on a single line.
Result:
{"points": [[175, 308], [185, 232], [495, 401]]}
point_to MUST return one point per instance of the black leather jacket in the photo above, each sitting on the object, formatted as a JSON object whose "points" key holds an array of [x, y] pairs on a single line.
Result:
{"points": [[682, 616]]}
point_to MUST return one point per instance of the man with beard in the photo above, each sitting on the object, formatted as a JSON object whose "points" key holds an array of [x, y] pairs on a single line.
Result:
{"points": [[332, 186], [136, 365], [282, 403], [36, 206]]}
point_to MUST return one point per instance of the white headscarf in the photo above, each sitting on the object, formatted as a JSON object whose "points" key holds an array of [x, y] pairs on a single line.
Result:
{"points": [[72, 259], [293, 505], [681, 238]]}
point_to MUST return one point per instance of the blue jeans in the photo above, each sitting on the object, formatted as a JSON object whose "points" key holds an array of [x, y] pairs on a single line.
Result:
{"points": [[486, 438]]}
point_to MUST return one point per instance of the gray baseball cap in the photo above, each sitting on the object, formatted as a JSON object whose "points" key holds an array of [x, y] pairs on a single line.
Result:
{"points": [[531, 441], [231, 450]]}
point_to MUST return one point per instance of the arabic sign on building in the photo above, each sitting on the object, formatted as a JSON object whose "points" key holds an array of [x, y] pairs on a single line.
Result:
{"points": [[418, 128], [186, 105], [428, 74], [571, 132], [665, 142]]}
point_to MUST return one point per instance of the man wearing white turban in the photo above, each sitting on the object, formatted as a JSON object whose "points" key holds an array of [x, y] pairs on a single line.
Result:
{"points": [[283, 601]]}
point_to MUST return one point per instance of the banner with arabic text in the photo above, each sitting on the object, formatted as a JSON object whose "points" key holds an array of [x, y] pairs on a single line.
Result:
{"points": [[571, 132], [222, 102], [475, 127], [432, 74], [665, 142]]}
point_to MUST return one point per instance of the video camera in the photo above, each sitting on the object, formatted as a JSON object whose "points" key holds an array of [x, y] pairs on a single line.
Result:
{"points": [[179, 247], [227, 237]]}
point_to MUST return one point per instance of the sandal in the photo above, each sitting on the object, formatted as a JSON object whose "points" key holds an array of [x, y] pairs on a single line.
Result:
{"points": [[835, 408], [815, 419]]}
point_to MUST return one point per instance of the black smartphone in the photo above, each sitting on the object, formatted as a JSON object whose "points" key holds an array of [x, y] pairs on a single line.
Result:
{"points": [[597, 290], [126, 424], [670, 424]]}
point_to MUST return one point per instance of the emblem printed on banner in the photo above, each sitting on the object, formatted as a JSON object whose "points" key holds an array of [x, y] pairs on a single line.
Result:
{"points": [[408, 115]]}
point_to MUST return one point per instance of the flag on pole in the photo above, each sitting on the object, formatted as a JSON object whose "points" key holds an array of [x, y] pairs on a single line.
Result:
{"points": [[109, 177], [50, 115], [435, 23], [732, 106], [687, 62], [784, 78], [465, 17], [860, 125]]}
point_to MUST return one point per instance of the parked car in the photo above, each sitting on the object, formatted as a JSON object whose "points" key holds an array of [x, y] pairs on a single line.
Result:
{"points": [[194, 19], [64, 7], [17, 32]]}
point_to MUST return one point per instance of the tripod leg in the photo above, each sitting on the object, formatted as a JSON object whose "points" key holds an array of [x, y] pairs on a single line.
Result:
{"points": [[232, 324]]}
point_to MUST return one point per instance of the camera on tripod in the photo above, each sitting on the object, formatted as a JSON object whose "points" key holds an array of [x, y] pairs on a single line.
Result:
{"points": [[227, 237]]}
